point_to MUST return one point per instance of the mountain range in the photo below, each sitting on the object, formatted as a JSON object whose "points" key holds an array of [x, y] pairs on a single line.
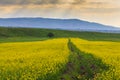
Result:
{"points": [[64, 24]]}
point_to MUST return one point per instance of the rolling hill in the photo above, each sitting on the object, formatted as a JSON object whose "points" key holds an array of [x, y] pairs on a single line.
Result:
{"points": [[36, 34]]}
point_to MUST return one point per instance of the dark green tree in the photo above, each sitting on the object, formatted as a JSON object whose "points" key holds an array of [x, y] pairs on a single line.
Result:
{"points": [[50, 35]]}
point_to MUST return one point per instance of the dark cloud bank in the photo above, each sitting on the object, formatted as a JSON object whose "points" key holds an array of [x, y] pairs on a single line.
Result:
{"points": [[38, 2]]}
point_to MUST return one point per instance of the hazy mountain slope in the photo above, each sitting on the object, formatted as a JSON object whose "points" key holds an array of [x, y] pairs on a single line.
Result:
{"points": [[67, 24]]}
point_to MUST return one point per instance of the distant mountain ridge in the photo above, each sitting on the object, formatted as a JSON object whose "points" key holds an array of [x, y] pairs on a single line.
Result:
{"points": [[65, 24]]}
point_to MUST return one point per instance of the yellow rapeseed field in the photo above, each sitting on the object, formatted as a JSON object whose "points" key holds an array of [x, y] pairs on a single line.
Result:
{"points": [[107, 51], [56, 59], [41, 60]]}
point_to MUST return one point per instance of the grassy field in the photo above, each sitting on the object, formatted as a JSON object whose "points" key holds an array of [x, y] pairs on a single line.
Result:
{"points": [[34, 34], [29, 54]]}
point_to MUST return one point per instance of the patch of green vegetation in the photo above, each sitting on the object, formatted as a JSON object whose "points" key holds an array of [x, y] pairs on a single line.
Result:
{"points": [[36, 33], [21, 39]]}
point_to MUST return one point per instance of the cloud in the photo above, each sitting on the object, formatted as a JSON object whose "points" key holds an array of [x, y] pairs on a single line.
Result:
{"points": [[39, 2]]}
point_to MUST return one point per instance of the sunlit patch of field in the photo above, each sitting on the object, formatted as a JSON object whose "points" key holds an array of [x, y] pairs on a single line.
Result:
{"points": [[108, 52], [42, 60]]}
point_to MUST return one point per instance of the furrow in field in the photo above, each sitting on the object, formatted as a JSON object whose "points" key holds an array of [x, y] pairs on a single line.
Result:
{"points": [[82, 65]]}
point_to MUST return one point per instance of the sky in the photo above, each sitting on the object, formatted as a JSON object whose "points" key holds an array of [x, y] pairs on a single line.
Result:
{"points": [[101, 11]]}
